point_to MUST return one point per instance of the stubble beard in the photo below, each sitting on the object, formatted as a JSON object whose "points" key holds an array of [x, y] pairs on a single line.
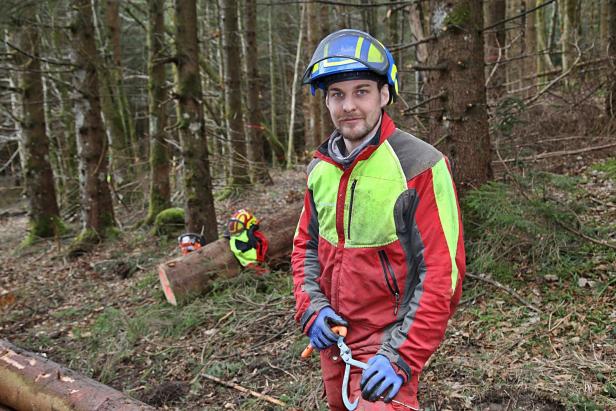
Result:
{"points": [[357, 133]]}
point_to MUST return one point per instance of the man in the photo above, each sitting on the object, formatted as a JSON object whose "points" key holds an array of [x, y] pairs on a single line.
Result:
{"points": [[379, 244]]}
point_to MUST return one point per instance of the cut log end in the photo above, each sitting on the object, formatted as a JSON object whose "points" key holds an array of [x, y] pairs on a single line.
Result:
{"points": [[164, 282]]}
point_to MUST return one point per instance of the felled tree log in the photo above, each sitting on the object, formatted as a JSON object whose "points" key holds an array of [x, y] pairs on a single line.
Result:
{"points": [[31, 382], [193, 274]]}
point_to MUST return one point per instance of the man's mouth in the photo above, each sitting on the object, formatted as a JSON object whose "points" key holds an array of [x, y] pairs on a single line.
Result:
{"points": [[348, 120]]}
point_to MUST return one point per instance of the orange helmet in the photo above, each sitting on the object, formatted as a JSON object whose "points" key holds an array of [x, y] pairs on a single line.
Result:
{"points": [[241, 220]]}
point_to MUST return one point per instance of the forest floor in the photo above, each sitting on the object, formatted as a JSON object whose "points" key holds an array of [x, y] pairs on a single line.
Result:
{"points": [[535, 329]]}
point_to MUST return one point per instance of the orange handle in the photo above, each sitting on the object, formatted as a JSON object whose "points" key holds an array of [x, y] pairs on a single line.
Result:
{"points": [[338, 329]]}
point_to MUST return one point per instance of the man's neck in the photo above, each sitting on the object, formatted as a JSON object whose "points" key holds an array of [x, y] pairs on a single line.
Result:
{"points": [[351, 145]]}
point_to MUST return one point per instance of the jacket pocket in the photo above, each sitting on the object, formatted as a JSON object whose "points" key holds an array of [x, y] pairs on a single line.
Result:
{"points": [[390, 279], [351, 208]]}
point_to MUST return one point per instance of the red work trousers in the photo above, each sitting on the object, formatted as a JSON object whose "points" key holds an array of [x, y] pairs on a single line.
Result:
{"points": [[332, 369]]}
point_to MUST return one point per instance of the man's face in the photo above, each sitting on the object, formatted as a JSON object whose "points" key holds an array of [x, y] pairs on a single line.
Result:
{"points": [[355, 106]]}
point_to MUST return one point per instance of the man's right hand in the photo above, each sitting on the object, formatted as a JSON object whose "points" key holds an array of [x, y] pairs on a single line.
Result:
{"points": [[320, 332]]}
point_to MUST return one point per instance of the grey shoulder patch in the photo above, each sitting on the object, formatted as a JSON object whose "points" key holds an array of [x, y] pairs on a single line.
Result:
{"points": [[415, 155], [312, 165]]}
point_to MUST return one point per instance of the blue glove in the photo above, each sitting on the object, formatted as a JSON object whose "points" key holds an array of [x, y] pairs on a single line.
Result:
{"points": [[320, 332], [379, 379]]}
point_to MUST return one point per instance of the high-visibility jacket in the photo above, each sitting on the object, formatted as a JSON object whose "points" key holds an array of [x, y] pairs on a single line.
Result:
{"points": [[380, 241]]}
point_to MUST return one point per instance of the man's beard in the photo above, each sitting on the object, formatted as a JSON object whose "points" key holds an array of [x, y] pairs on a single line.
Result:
{"points": [[356, 131]]}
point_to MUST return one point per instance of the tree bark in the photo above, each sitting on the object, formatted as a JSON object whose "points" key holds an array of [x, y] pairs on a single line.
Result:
{"points": [[327, 126], [97, 207], [313, 130], [273, 138], [458, 118], [31, 382], [530, 47], [44, 214], [239, 172], [185, 277], [254, 130], [160, 190], [199, 201], [118, 118], [514, 46], [294, 85], [112, 17], [570, 14], [544, 62], [604, 25], [495, 39], [610, 98]]}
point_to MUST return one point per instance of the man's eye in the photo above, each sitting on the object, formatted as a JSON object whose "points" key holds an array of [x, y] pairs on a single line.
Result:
{"points": [[336, 95], [362, 92]]}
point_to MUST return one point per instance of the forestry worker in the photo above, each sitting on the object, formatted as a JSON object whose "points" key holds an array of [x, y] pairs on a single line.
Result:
{"points": [[379, 244]]}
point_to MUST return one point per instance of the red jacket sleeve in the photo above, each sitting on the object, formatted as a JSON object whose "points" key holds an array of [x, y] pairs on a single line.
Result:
{"points": [[438, 250], [309, 298]]}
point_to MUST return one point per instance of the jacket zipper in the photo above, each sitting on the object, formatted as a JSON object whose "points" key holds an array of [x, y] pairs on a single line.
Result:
{"points": [[351, 208], [389, 274]]}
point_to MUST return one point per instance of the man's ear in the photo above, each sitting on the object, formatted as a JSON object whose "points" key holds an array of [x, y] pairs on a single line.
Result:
{"points": [[326, 98], [384, 95]]}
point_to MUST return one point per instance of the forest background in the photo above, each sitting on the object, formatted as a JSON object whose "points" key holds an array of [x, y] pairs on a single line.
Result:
{"points": [[125, 123]]}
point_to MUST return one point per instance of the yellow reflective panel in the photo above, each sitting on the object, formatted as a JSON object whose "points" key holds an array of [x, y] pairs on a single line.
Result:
{"points": [[375, 55], [360, 41], [327, 63]]}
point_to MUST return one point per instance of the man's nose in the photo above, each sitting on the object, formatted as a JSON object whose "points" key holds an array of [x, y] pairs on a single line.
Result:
{"points": [[348, 104]]}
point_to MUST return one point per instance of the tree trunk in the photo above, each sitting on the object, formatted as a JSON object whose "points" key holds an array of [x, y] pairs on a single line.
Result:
{"points": [[610, 102], [515, 47], [97, 208], [313, 129], [458, 118], [199, 201], [327, 126], [239, 175], [193, 274], [416, 24], [254, 131], [604, 26], [112, 17], [530, 48], [544, 63], [570, 12], [160, 197], [278, 154], [495, 39], [44, 214], [294, 85], [66, 137], [118, 121], [31, 382]]}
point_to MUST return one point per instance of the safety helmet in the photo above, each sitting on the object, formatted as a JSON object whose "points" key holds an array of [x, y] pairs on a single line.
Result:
{"points": [[240, 220], [348, 54], [190, 242]]}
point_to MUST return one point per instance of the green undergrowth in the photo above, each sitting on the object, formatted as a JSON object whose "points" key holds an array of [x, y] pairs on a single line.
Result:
{"points": [[232, 332], [532, 227], [608, 167], [544, 237]]}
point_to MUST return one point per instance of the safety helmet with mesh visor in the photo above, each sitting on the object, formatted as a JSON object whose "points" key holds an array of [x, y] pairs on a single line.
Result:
{"points": [[347, 53]]}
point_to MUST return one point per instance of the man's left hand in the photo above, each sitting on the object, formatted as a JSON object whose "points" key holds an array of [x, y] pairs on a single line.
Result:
{"points": [[379, 379]]}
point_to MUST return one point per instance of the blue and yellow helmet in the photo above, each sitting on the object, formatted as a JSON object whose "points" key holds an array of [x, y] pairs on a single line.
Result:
{"points": [[349, 53]]}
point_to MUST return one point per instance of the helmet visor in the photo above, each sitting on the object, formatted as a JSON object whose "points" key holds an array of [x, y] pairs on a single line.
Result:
{"points": [[344, 49], [235, 226]]}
